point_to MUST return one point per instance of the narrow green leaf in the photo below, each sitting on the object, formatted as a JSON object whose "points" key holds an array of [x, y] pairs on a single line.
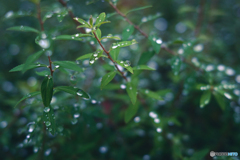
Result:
{"points": [[73, 91], [156, 43], [32, 58], [85, 56], [126, 65], [152, 94], [176, 65], [99, 24], [23, 29], [32, 66], [131, 112], [205, 98], [127, 32], [107, 78], [220, 100], [132, 92], [114, 53], [143, 67], [91, 21], [43, 73], [67, 37], [110, 37], [137, 9], [145, 57], [82, 22], [30, 95], [47, 91], [123, 44], [95, 55], [100, 18], [224, 93], [98, 33], [68, 65], [49, 119], [84, 26]]}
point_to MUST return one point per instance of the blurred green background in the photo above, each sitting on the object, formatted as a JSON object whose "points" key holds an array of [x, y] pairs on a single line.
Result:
{"points": [[95, 129]]}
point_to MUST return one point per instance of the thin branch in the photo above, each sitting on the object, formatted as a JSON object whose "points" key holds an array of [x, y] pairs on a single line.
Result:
{"points": [[200, 18], [39, 16], [50, 65], [109, 56], [145, 35]]}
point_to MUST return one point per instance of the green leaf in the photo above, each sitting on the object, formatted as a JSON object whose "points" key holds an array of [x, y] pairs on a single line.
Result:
{"points": [[156, 43], [32, 58], [205, 98], [23, 29], [145, 57], [73, 91], [137, 9], [130, 112], [176, 64], [152, 94], [99, 24], [85, 56], [32, 66], [114, 53], [222, 92], [43, 73], [125, 65], [149, 18], [30, 95], [132, 92], [110, 37], [82, 22], [143, 67], [68, 65], [127, 32], [220, 100], [95, 55], [49, 119], [185, 9], [107, 78], [84, 26], [91, 21], [47, 91], [123, 44], [67, 37], [100, 19], [98, 33]]}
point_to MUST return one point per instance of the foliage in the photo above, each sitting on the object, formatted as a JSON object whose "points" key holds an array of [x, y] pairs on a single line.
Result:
{"points": [[119, 79]]}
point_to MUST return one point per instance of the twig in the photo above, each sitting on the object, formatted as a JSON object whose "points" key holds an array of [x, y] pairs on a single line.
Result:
{"points": [[109, 56], [200, 18], [50, 65], [145, 35]]}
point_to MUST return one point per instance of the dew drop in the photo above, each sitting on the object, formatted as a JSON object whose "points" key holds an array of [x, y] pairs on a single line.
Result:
{"points": [[113, 47], [9, 14], [122, 86], [44, 43], [156, 120], [79, 94], [74, 121], [76, 115], [31, 128], [137, 119], [48, 123], [47, 152], [94, 101], [92, 61], [57, 66], [128, 30], [35, 149], [46, 109], [159, 41], [103, 149], [159, 130]]}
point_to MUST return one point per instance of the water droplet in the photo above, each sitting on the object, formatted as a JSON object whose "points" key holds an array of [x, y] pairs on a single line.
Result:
{"points": [[152, 115], [3, 124], [156, 120], [43, 35], [137, 119], [113, 47], [47, 152], [79, 94], [159, 41], [159, 130], [44, 43], [57, 66], [230, 72], [227, 95], [103, 149], [76, 35], [76, 115], [35, 149], [128, 30], [31, 128], [48, 123], [74, 121], [94, 101], [9, 14], [144, 19], [122, 86], [28, 136], [130, 88], [147, 91], [92, 61], [73, 37], [95, 55], [46, 109], [96, 59]]}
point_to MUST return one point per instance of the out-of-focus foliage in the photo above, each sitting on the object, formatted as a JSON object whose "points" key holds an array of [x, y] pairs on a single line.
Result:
{"points": [[181, 99]]}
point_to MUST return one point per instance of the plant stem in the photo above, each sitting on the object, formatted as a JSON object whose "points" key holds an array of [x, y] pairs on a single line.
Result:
{"points": [[109, 56], [145, 35]]}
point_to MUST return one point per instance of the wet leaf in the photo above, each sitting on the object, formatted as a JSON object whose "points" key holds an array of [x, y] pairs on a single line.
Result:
{"points": [[82, 22], [143, 67], [220, 100], [98, 33], [107, 78], [156, 43], [30, 95], [49, 119], [23, 29], [123, 44], [145, 57], [47, 91], [152, 94], [114, 53], [176, 65], [131, 112], [100, 19], [125, 65], [32, 58], [73, 91], [127, 32], [32, 66], [132, 92], [68, 37], [205, 98], [68, 65]]}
